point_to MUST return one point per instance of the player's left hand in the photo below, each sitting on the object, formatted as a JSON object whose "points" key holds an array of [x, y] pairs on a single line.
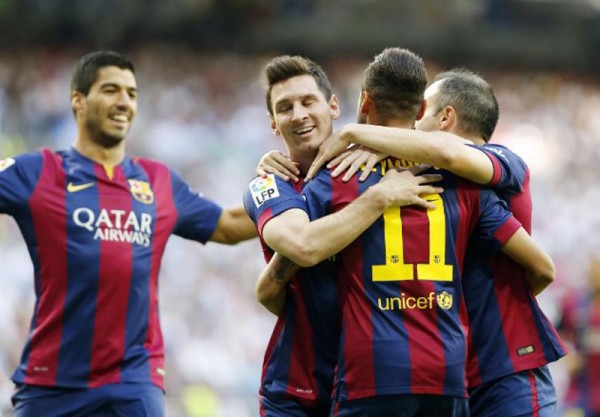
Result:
{"points": [[333, 146], [352, 160]]}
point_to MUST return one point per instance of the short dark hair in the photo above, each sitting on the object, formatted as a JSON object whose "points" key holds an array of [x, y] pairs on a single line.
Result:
{"points": [[85, 72], [396, 82], [284, 67], [472, 98]]}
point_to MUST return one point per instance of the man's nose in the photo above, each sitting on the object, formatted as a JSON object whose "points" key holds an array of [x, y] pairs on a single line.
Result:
{"points": [[299, 112], [124, 99]]}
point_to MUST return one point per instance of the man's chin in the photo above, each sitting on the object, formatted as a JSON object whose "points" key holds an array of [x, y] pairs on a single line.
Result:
{"points": [[109, 141]]}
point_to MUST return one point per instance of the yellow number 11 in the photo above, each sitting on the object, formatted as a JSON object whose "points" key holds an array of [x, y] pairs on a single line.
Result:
{"points": [[395, 268]]}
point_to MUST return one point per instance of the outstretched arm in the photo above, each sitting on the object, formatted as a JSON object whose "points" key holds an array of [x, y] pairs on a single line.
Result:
{"points": [[439, 149], [234, 226]]}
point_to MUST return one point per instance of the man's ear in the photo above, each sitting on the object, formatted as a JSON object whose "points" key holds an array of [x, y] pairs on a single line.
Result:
{"points": [[77, 101], [365, 103], [334, 106], [421, 110], [274, 128], [448, 118]]}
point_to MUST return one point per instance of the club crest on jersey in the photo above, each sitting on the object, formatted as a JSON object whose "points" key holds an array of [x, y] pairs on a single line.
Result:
{"points": [[5, 163], [263, 189], [141, 191]]}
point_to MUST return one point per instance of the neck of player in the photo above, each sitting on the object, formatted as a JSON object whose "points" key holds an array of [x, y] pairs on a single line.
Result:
{"points": [[103, 155]]}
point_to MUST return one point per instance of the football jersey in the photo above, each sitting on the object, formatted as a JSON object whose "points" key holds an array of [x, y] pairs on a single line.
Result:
{"points": [[96, 236], [581, 324], [509, 331], [403, 318], [302, 351]]}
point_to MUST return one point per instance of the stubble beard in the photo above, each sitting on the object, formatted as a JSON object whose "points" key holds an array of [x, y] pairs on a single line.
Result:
{"points": [[102, 138]]}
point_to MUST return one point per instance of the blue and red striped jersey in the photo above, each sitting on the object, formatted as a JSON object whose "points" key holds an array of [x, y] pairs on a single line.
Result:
{"points": [[404, 324], [509, 331], [96, 236], [302, 351], [580, 325]]}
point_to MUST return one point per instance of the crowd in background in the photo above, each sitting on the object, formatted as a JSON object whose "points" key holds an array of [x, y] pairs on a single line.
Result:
{"points": [[205, 116]]}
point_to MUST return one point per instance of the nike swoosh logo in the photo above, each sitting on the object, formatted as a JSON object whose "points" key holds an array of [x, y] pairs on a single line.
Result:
{"points": [[73, 188]]}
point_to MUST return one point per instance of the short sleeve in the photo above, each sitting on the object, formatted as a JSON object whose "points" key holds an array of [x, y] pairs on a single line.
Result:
{"points": [[197, 216], [18, 178], [496, 223], [510, 171], [268, 197]]}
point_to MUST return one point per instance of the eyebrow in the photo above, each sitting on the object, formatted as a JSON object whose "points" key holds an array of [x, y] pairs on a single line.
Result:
{"points": [[303, 97], [112, 84]]}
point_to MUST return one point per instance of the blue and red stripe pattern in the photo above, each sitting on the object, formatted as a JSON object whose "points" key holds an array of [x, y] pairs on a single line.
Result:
{"points": [[302, 351], [404, 324], [96, 236], [509, 331]]}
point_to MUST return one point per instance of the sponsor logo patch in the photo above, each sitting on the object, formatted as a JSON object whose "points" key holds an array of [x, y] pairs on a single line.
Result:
{"points": [[5, 163], [113, 225], [444, 300], [263, 189]]}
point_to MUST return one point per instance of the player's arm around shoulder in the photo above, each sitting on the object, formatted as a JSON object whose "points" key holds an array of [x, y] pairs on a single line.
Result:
{"points": [[234, 226], [462, 158], [539, 267]]}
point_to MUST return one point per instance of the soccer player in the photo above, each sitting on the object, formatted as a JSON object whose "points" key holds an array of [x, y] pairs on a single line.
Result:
{"points": [[580, 326], [511, 340], [96, 223], [403, 345], [299, 361]]}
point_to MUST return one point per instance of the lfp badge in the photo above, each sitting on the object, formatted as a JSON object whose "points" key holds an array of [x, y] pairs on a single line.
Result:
{"points": [[263, 189], [141, 191], [5, 163]]}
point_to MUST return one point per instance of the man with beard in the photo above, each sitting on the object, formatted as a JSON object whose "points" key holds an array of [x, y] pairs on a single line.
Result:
{"points": [[96, 223]]}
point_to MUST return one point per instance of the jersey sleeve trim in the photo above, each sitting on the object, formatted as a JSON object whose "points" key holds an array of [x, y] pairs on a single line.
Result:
{"points": [[267, 215], [508, 229], [497, 168]]}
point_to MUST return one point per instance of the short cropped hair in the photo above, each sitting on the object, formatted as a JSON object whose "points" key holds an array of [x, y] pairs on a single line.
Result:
{"points": [[85, 72], [396, 80], [284, 67], [472, 98]]}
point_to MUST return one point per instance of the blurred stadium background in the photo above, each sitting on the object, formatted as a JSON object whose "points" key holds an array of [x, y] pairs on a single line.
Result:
{"points": [[202, 111]]}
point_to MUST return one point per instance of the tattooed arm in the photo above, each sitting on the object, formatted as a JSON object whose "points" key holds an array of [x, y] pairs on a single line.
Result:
{"points": [[272, 282]]}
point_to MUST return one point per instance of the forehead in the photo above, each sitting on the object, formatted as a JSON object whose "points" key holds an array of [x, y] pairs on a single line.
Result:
{"points": [[115, 75], [294, 88]]}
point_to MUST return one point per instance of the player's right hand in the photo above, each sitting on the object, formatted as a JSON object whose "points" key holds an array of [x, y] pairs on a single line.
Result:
{"points": [[406, 187], [276, 163]]}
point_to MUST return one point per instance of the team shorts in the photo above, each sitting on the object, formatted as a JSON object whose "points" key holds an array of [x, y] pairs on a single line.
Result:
{"points": [[112, 400], [410, 405], [528, 393]]}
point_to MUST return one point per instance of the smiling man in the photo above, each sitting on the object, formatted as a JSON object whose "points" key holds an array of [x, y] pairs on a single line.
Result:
{"points": [[96, 223], [297, 378]]}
